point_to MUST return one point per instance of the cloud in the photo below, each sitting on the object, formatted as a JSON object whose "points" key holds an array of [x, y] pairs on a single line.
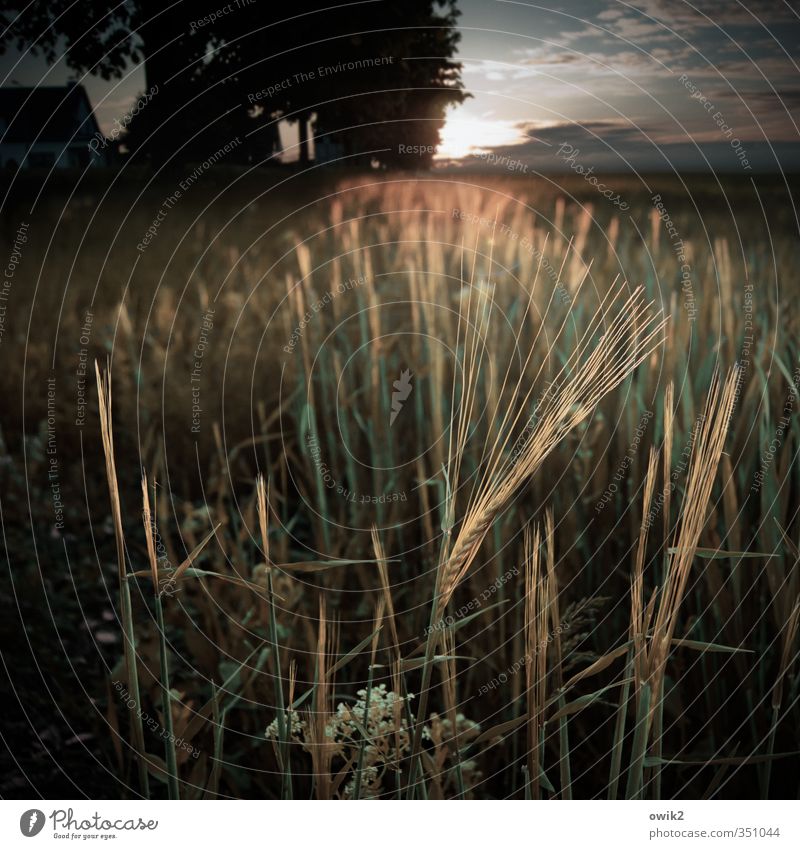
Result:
{"points": [[723, 13], [610, 14], [493, 70], [638, 29], [543, 59], [588, 60], [594, 62], [611, 145]]}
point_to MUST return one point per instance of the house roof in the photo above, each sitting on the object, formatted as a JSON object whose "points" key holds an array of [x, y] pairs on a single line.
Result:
{"points": [[47, 114]]}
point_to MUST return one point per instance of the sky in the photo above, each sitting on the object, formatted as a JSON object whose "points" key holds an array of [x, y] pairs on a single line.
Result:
{"points": [[639, 84], [616, 86]]}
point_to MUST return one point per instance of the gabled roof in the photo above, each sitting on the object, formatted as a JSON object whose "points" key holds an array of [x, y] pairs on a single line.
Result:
{"points": [[47, 113]]}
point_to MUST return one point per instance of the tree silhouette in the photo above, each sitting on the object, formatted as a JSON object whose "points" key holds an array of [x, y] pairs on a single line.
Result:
{"points": [[376, 79], [371, 78]]}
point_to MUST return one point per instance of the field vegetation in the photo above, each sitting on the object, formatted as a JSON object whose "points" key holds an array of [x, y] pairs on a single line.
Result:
{"points": [[419, 487]]}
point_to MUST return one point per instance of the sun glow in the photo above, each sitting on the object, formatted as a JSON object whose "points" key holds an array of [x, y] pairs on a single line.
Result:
{"points": [[464, 135]]}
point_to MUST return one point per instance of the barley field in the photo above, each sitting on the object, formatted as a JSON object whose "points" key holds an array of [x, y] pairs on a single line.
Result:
{"points": [[449, 485]]}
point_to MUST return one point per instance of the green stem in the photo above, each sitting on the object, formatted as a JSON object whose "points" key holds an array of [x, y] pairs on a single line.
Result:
{"points": [[434, 623], [132, 674], [636, 774], [658, 725], [427, 667], [619, 730], [283, 719], [219, 733], [564, 765], [166, 704]]}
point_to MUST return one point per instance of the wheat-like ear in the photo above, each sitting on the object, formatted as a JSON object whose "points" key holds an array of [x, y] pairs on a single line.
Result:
{"points": [[709, 439], [263, 516], [631, 333], [129, 643], [650, 660], [107, 433], [590, 373], [147, 521]]}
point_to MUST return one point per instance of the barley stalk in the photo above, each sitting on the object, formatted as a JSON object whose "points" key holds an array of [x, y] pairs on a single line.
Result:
{"points": [[129, 639]]}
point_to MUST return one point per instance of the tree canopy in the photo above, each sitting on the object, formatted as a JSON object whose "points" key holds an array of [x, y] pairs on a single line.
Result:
{"points": [[371, 78]]}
